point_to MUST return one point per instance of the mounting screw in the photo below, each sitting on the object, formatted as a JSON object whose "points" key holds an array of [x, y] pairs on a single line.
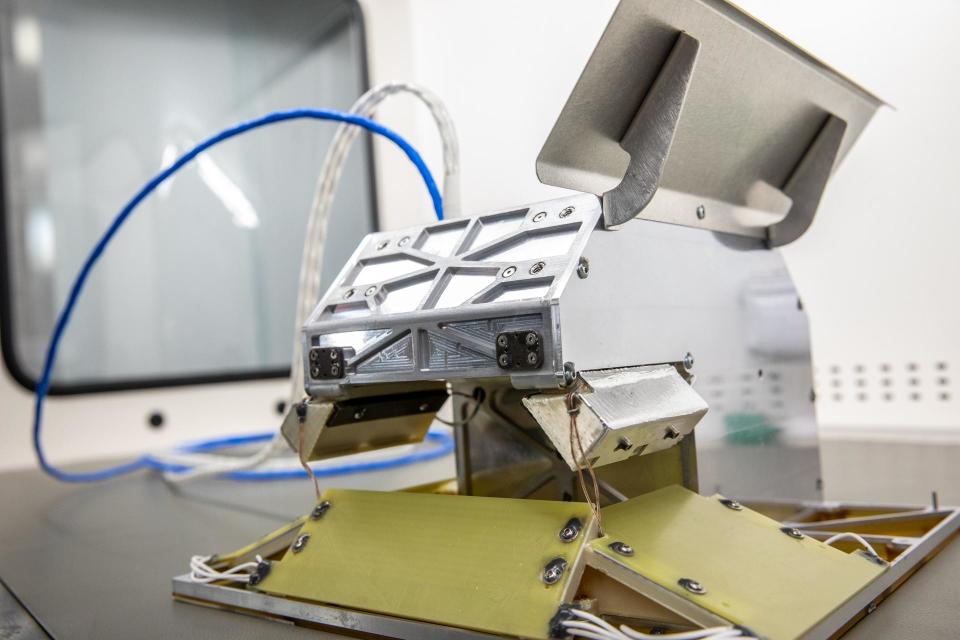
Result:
{"points": [[315, 372], [540, 216], [569, 373], [554, 571], [300, 542], [314, 355], [793, 532], [537, 268], [334, 355], [502, 340], [383, 245], [403, 241], [319, 510], [567, 211], [359, 413], [623, 445], [622, 548], [261, 572], [334, 370], [583, 269], [570, 530], [504, 360], [731, 504], [509, 271], [370, 291], [532, 358], [688, 361], [349, 293], [701, 212], [692, 586], [531, 339], [671, 433]]}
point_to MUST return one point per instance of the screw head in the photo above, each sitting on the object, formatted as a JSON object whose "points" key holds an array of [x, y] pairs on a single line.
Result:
{"points": [[370, 291], [334, 355], [503, 360], [531, 339], [553, 571], [300, 542], [688, 361], [509, 271], [671, 433], [793, 532], [319, 510], [621, 548], [731, 504], [569, 373], [701, 212], [314, 372], [571, 530], [692, 586], [314, 355], [502, 340], [334, 369], [567, 211], [359, 413], [540, 216], [349, 293], [383, 245], [532, 358], [537, 268], [423, 407], [403, 241], [583, 269]]}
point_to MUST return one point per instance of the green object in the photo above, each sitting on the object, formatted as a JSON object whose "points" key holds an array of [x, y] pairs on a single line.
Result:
{"points": [[462, 561], [749, 429], [753, 573]]}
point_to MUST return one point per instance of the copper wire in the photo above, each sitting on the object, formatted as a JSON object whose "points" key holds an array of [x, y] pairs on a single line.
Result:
{"points": [[573, 410], [300, 454]]}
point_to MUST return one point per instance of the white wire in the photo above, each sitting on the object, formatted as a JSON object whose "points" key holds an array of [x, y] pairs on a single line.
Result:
{"points": [[311, 264], [596, 628], [849, 535], [200, 571]]}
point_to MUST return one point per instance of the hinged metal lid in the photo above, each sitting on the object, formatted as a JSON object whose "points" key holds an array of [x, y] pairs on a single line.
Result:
{"points": [[693, 112]]}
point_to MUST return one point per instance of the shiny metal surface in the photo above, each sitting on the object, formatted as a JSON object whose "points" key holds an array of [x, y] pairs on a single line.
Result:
{"points": [[754, 107], [623, 413]]}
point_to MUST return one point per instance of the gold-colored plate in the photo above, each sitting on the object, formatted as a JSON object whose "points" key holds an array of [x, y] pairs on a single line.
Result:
{"points": [[457, 560], [754, 574]]}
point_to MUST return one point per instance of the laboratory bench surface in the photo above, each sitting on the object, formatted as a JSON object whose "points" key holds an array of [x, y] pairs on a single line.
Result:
{"points": [[95, 561]]}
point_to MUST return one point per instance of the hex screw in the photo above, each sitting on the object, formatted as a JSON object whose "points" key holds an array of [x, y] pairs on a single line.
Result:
{"points": [[503, 360], [403, 241], [300, 542], [793, 532], [540, 216], [509, 271], [349, 293], [621, 548], [383, 245], [553, 571], [569, 373], [692, 586], [571, 530], [688, 361], [359, 413], [532, 358], [531, 339], [623, 445], [701, 212], [567, 211], [334, 369], [583, 269], [314, 355], [319, 510], [502, 340], [671, 433], [731, 504], [423, 407], [537, 268], [334, 355], [370, 291], [314, 372]]}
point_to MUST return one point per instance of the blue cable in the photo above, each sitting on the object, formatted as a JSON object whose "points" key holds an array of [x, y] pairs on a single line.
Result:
{"points": [[63, 320]]}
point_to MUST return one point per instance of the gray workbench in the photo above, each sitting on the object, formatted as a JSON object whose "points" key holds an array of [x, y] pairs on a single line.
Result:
{"points": [[96, 561]]}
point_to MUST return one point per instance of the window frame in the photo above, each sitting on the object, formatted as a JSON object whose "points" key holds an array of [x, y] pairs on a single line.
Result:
{"points": [[7, 330]]}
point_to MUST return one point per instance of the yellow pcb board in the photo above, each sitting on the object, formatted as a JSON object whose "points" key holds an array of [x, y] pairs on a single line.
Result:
{"points": [[752, 573], [456, 560]]}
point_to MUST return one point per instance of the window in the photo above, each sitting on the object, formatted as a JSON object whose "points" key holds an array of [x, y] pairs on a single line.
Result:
{"points": [[200, 285]]}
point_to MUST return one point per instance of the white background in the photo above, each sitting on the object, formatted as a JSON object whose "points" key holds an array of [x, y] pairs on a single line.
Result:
{"points": [[877, 270]]}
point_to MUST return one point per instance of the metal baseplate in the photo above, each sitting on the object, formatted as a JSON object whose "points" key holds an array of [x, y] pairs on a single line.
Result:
{"points": [[420, 565]]}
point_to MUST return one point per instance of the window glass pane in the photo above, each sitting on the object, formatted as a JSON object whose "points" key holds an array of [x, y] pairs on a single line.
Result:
{"points": [[96, 96]]}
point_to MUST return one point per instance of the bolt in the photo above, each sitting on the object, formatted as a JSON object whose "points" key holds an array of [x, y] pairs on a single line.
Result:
{"points": [[537, 268], [622, 548], [334, 355], [571, 530], [504, 360], [692, 586], [359, 413], [540, 216], [623, 445], [583, 269], [314, 372], [793, 532], [567, 211], [701, 212], [502, 340], [424, 407], [300, 543], [671, 433], [532, 358], [319, 510], [509, 271], [531, 339], [314, 355], [731, 504], [554, 571], [403, 241], [383, 245], [370, 291], [349, 293], [334, 369], [569, 373], [688, 361]]}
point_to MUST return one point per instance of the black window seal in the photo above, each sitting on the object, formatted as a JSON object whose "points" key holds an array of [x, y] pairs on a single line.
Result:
{"points": [[7, 333]]}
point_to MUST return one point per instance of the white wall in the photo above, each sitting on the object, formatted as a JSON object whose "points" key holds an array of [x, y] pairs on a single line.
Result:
{"points": [[876, 270]]}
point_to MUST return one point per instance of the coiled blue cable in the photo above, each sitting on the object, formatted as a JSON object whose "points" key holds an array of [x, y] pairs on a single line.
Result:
{"points": [[66, 313]]}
